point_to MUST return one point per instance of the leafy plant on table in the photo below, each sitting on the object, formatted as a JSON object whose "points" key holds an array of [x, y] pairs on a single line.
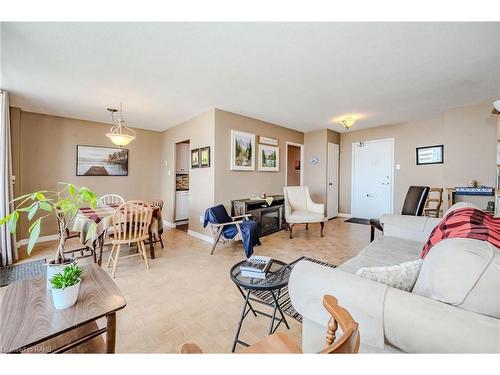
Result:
{"points": [[69, 277], [63, 204]]}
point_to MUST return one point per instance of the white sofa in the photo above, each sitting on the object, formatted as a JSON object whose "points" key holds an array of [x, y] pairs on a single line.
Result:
{"points": [[392, 320]]}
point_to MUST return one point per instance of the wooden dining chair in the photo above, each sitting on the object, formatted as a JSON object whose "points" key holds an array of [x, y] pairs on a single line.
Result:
{"points": [[131, 222], [157, 203], [84, 251], [111, 199], [282, 343], [433, 203]]}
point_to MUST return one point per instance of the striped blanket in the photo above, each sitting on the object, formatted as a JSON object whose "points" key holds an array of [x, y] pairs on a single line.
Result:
{"points": [[465, 223]]}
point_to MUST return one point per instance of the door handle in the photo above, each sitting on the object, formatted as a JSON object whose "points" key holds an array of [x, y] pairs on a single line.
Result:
{"points": [[331, 183], [371, 195]]}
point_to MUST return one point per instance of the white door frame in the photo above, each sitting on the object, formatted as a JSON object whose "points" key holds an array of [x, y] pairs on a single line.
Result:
{"points": [[328, 175], [392, 170], [301, 161]]}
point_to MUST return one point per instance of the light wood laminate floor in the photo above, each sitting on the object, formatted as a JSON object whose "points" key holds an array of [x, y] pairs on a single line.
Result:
{"points": [[187, 295]]}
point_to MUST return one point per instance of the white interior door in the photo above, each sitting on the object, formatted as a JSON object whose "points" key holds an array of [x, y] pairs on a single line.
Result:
{"points": [[372, 178], [332, 187]]}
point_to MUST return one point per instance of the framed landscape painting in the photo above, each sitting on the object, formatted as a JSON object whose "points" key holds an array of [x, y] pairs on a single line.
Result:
{"points": [[269, 158], [205, 157], [101, 161], [242, 151]]}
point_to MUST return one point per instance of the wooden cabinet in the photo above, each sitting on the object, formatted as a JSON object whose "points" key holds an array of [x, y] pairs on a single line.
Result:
{"points": [[182, 158]]}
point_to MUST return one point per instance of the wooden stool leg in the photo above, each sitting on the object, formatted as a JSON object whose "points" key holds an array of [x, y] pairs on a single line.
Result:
{"points": [[116, 261]]}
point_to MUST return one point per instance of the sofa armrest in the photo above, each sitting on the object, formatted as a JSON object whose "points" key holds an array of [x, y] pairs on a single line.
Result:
{"points": [[415, 228], [418, 324], [363, 298]]}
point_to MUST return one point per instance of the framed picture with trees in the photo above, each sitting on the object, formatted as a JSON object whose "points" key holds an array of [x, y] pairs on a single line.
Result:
{"points": [[269, 158], [242, 151]]}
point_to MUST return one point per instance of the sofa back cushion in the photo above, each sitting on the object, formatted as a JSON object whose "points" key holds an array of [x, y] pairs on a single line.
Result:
{"points": [[462, 272]]}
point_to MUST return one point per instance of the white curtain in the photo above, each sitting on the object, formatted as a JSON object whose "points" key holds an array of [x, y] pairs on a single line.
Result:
{"points": [[8, 251]]}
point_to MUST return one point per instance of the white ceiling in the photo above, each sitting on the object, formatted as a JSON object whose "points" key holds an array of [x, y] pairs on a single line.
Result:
{"points": [[299, 75]]}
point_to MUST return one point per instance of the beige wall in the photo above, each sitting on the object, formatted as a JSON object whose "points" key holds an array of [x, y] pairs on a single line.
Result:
{"points": [[469, 138], [316, 145], [200, 132], [44, 153], [244, 184], [293, 176]]}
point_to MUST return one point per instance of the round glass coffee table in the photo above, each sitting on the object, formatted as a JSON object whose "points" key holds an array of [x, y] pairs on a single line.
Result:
{"points": [[276, 279]]}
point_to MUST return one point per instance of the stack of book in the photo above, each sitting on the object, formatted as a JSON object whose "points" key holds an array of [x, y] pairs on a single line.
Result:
{"points": [[255, 267]]}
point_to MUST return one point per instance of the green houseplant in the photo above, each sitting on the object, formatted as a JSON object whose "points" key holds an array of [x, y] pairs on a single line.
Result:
{"points": [[64, 205], [65, 286]]}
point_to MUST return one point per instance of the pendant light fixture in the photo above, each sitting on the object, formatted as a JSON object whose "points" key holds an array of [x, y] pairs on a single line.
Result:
{"points": [[120, 134]]}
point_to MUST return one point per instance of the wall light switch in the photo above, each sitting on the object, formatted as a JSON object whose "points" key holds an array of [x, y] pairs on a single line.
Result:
{"points": [[398, 166], [166, 163], [169, 172]]}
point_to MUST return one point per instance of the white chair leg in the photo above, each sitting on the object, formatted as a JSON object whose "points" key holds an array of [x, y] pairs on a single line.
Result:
{"points": [[111, 255], [143, 251], [115, 260]]}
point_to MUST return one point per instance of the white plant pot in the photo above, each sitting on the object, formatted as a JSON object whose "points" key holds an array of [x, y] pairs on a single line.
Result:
{"points": [[64, 298], [53, 269]]}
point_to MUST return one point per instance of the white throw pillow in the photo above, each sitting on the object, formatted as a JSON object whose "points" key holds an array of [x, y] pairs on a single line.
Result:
{"points": [[401, 276], [462, 272]]}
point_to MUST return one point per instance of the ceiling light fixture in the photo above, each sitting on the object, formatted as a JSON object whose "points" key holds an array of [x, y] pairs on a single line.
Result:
{"points": [[120, 134], [347, 122]]}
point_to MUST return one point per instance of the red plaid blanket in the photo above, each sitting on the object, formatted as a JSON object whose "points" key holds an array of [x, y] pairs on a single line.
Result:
{"points": [[465, 223]]}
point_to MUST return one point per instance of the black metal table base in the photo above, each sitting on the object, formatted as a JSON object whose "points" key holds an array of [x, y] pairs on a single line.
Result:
{"points": [[248, 307]]}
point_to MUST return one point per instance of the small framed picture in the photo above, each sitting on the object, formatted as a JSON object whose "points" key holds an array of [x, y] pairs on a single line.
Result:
{"points": [[268, 141], [269, 158], [430, 155], [242, 151], [195, 158], [205, 157]]}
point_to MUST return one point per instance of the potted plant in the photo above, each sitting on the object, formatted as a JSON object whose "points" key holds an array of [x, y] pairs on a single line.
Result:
{"points": [[65, 286], [64, 205]]}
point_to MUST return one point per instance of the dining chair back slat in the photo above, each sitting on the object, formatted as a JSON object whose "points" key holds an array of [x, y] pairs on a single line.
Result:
{"points": [[111, 199]]}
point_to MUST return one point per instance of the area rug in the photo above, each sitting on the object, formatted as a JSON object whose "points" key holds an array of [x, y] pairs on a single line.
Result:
{"points": [[23, 271], [357, 220], [284, 300]]}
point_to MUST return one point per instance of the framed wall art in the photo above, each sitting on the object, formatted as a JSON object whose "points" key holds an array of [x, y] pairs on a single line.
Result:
{"points": [[269, 158], [430, 155], [101, 161], [205, 157], [242, 151], [195, 158]]}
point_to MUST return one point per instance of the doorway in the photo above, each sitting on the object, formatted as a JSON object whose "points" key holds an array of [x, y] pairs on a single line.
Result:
{"points": [[332, 187], [372, 178], [294, 165], [182, 168]]}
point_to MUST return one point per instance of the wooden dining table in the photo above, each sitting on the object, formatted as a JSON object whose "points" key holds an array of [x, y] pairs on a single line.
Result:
{"points": [[102, 216], [29, 322]]}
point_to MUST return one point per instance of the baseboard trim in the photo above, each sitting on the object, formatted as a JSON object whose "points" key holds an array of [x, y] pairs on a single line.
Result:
{"points": [[169, 224], [200, 236], [51, 237], [344, 215]]}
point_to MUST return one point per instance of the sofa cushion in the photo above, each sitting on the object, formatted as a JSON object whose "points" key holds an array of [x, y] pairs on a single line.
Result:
{"points": [[384, 251], [401, 276], [462, 272]]}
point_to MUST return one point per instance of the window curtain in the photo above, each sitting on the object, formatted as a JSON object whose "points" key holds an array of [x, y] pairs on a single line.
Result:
{"points": [[8, 251]]}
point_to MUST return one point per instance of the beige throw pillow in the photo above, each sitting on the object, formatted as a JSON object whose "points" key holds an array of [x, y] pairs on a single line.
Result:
{"points": [[401, 276]]}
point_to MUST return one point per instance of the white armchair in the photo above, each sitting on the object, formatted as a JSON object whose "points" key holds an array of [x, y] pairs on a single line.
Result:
{"points": [[300, 209]]}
